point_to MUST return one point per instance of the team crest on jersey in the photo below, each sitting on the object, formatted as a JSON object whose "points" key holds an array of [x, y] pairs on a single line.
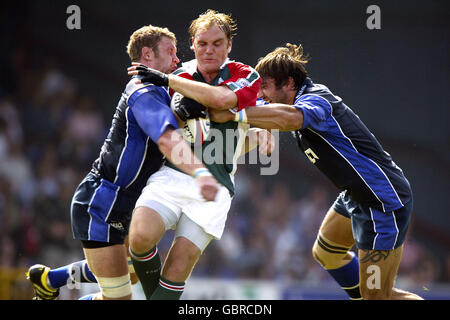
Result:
{"points": [[241, 83]]}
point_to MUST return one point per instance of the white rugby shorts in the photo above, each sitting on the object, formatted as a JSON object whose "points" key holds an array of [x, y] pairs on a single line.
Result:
{"points": [[172, 193]]}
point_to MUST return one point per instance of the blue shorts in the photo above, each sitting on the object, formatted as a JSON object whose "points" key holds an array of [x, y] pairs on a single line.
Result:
{"points": [[372, 228], [101, 211]]}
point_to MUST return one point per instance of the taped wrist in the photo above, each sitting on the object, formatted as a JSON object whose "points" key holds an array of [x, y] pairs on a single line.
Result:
{"points": [[201, 172], [116, 287], [241, 116]]}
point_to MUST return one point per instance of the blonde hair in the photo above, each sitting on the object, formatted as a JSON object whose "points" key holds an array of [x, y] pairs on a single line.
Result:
{"points": [[212, 17], [282, 63], [147, 36]]}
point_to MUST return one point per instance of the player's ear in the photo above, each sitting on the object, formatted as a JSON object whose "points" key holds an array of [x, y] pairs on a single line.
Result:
{"points": [[230, 44], [192, 44], [147, 53], [291, 83]]}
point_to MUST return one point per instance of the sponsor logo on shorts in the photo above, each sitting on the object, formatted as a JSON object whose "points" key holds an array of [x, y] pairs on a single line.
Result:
{"points": [[117, 225]]}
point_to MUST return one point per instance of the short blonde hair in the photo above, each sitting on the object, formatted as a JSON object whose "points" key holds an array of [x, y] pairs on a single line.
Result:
{"points": [[212, 17], [147, 36], [282, 63]]}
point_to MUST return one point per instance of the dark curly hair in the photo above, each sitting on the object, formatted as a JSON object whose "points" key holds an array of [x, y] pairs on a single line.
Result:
{"points": [[282, 63]]}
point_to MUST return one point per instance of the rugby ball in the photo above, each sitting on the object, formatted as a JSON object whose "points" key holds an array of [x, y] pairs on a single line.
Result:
{"points": [[195, 131]]}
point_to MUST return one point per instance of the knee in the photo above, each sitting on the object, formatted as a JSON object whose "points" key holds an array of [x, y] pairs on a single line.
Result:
{"points": [[146, 230], [140, 241]]}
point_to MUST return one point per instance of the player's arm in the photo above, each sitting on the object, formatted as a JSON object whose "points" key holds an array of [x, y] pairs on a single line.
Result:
{"points": [[271, 116], [159, 123], [184, 159], [214, 97], [238, 91], [157, 120]]}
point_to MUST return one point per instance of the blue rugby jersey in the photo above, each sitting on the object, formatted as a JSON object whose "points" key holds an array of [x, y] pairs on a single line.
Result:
{"points": [[130, 154], [338, 143]]}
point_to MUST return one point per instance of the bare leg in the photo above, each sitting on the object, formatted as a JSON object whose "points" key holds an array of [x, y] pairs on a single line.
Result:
{"points": [[108, 262], [377, 272], [181, 259], [332, 251]]}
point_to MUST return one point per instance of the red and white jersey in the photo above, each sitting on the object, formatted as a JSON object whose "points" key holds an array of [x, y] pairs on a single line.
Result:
{"points": [[242, 79]]}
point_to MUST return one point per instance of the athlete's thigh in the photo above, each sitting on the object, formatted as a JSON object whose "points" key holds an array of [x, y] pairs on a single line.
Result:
{"points": [[110, 261], [377, 272], [337, 228]]}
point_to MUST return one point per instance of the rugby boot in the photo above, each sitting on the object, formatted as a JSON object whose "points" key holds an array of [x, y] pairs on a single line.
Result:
{"points": [[37, 274]]}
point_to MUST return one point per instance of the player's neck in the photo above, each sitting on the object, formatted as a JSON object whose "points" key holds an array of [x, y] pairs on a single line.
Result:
{"points": [[209, 76], [291, 96]]}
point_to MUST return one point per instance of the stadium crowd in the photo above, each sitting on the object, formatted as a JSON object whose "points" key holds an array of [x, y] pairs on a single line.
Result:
{"points": [[50, 133]]}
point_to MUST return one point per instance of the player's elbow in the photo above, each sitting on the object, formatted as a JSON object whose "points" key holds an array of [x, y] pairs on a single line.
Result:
{"points": [[165, 141], [291, 120]]}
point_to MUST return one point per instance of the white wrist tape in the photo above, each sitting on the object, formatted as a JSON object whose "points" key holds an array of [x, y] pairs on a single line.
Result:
{"points": [[201, 172], [241, 116]]}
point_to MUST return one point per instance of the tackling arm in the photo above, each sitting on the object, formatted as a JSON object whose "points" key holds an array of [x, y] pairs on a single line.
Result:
{"points": [[156, 119], [215, 97], [171, 141], [272, 116]]}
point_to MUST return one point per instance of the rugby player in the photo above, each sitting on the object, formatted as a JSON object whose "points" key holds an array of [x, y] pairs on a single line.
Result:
{"points": [[142, 134], [374, 207], [168, 200]]}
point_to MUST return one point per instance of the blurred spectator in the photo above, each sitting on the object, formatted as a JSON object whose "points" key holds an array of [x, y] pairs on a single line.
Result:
{"points": [[17, 170], [85, 124], [418, 268], [446, 277]]}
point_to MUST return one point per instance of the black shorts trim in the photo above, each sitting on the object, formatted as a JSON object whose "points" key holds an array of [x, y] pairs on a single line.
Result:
{"points": [[89, 244]]}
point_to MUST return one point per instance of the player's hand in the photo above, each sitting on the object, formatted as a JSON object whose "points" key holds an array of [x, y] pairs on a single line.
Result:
{"points": [[221, 116], [149, 75], [266, 142], [187, 108], [208, 187]]}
